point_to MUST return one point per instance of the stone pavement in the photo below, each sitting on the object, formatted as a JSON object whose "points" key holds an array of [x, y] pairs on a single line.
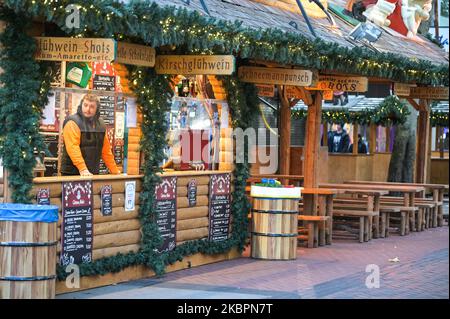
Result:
{"points": [[337, 271]]}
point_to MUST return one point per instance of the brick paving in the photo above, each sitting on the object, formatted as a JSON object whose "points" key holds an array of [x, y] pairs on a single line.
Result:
{"points": [[333, 272]]}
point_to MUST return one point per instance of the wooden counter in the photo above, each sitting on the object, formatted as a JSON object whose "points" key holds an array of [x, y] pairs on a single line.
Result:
{"points": [[121, 231]]}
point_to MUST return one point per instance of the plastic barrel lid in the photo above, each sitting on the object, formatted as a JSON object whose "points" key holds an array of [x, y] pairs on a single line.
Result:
{"points": [[28, 213]]}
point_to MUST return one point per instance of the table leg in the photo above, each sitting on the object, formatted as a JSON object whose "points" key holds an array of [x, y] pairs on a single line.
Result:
{"points": [[383, 225], [329, 213], [361, 229], [322, 227]]}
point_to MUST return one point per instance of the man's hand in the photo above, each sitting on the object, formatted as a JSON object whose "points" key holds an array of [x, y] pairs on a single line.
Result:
{"points": [[85, 173]]}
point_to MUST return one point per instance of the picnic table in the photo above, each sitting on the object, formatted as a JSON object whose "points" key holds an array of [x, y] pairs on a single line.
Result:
{"points": [[437, 190], [371, 213]]}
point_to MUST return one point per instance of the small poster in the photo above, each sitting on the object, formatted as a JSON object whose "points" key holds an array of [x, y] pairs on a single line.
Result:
{"points": [[131, 113], [192, 192], [43, 196], [106, 200], [120, 125], [77, 225], [130, 193], [166, 212], [219, 207]]}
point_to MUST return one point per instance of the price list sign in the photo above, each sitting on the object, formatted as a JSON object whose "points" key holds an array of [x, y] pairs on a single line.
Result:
{"points": [[106, 203], [107, 102], [219, 207], [77, 226], [166, 212]]}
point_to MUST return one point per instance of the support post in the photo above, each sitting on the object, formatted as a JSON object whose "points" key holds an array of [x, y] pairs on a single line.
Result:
{"points": [[285, 134], [423, 144], [355, 139], [373, 139]]}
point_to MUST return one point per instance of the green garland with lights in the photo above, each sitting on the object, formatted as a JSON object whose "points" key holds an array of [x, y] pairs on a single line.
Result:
{"points": [[391, 111], [23, 96], [439, 118], [147, 22], [153, 94]]}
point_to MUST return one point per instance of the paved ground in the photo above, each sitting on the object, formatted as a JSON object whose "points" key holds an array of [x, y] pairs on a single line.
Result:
{"points": [[337, 271]]}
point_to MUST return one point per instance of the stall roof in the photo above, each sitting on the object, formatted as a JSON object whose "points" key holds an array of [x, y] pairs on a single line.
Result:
{"points": [[362, 103], [257, 15]]}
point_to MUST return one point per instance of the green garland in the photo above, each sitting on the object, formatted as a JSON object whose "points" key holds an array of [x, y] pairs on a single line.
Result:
{"points": [[23, 96], [391, 111], [153, 93], [439, 118], [147, 22]]}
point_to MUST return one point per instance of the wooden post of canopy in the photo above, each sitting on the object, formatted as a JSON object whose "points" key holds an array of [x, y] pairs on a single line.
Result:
{"points": [[285, 134], [388, 139], [325, 134], [355, 139], [373, 139], [423, 131]]}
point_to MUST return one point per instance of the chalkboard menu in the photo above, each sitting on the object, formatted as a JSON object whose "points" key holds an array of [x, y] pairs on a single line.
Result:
{"points": [[51, 141], [219, 206], [77, 225], [43, 196], [192, 192], [107, 109], [51, 168], [166, 212], [106, 200], [104, 83], [118, 151]]}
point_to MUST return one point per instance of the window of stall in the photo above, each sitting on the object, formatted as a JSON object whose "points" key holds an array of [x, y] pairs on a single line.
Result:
{"points": [[108, 83]]}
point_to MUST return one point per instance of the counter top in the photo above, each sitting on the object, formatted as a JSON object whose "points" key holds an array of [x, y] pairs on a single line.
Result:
{"points": [[59, 179]]}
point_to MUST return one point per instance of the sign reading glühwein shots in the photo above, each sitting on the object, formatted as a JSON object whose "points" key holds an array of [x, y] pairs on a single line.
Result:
{"points": [[43, 196], [166, 212], [77, 226], [219, 206], [106, 200]]}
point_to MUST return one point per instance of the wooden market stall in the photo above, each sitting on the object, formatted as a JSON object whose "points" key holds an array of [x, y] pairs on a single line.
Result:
{"points": [[172, 85]]}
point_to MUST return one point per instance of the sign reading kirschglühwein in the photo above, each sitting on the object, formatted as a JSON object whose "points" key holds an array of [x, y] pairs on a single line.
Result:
{"points": [[341, 83], [195, 64], [135, 54], [279, 76], [106, 200], [219, 207], [429, 93], [43, 196], [403, 89], [75, 49], [166, 212], [77, 228]]}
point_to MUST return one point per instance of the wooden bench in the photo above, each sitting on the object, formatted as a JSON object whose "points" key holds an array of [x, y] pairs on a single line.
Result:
{"points": [[365, 221], [314, 226]]}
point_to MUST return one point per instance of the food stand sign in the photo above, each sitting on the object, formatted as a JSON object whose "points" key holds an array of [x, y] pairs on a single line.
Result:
{"points": [[430, 93], [266, 90], [195, 64], [279, 76], [293, 93], [135, 54], [403, 89], [75, 49], [341, 83]]}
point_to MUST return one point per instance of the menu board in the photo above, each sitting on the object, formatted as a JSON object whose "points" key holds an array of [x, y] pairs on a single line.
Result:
{"points": [[166, 212], [106, 200], [192, 192], [219, 207], [43, 196], [51, 141], [106, 83], [77, 224], [51, 168], [118, 151]]}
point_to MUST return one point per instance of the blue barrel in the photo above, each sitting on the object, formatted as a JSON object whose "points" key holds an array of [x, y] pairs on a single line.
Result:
{"points": [[28, 240]]}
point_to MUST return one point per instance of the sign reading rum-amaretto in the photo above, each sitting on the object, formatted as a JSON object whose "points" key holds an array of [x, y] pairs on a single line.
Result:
{"points": [[341, 83], [135, 54], [275, 76], [195, 64], [431, 93], [75, 49]]}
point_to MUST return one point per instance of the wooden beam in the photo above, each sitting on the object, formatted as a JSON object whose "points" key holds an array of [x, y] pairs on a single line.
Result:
{"points": [[285, 134], [312, 142], [325, 134], [306, 95], [355, 139], [423, 143], [373, 139], [388, 139]]}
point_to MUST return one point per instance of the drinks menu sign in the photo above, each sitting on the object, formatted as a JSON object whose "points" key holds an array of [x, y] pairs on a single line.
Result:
{"points": [[219, 206], [166, 212], [77, 226]]}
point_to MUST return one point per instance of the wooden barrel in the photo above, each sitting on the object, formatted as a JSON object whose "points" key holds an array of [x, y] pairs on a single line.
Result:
{"points": [[28, 256], [274, 228]]}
